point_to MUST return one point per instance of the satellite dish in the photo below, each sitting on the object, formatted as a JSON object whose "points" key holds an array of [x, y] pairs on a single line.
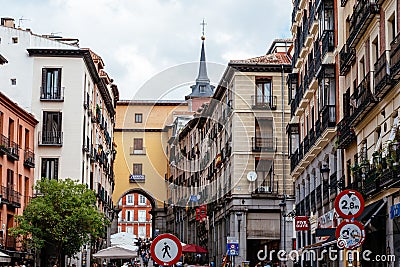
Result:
{"points": [[252, 176]]}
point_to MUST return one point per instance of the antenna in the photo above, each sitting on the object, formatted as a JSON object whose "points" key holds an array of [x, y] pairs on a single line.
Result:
{"points": [[20, 20]]}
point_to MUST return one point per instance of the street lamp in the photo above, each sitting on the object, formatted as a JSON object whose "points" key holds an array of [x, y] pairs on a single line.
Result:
{"points": [[324, 170]]}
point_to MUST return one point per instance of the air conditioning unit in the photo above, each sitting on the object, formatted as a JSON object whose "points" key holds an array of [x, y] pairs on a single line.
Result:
{"points": [[264, 189]]}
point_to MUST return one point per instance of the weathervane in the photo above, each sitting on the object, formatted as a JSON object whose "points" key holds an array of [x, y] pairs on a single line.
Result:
{"points": [[203, 24]]}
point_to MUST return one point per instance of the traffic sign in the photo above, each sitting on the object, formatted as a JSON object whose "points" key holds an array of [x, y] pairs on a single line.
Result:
{"points": [[166, 249], [232, 249], [349, 204], [350, 234]]}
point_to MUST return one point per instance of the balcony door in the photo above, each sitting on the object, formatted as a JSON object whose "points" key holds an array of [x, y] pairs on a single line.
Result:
{"points": [[264, 175], [264, 133], [51, 83], [52, 128], [263, 92]]}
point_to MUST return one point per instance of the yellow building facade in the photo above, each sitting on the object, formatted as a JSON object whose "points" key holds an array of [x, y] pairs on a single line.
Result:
{"points": [[141, 160]]}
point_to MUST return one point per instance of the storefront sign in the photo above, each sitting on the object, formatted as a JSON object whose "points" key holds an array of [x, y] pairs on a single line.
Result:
{"points": [[395, 211], [301, 223]]}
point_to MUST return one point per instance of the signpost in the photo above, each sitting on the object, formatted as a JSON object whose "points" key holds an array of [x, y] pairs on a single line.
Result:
{"points": [[349, 204], [166, 249]]}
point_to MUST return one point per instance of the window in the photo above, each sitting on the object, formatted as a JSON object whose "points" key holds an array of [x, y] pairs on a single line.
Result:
{"points": [[51, 84], [138, 144], [138, 117], [375, 50], [50, 168], [129, 200], [142, 231], [119, 216], [391, 28], [14, 40], [263, 92], [263, 134], [137, 169], [120, 202], [129, 229], [13, 81], [129, 216], [142, 200], [10, 179], [202, 88], [142, 215], [264, 169], [52, 134]]}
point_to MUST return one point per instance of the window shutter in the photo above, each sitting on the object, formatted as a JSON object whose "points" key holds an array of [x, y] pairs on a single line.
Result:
{"points": [[55, 169], [44, 75]]}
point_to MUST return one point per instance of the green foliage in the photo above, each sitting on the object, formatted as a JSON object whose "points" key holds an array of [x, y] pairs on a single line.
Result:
{"points": [[63, 215]]}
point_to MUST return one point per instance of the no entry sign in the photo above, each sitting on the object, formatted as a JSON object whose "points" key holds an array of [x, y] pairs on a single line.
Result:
{"points": [[166, 249], [349, 204]]}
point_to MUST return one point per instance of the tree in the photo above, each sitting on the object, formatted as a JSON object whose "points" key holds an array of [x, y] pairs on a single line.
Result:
{"points": [[63, 216]]}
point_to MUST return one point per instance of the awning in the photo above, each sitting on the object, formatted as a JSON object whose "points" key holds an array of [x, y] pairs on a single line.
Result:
{"points": [[4, 257], [117, 252], [370, 211]]}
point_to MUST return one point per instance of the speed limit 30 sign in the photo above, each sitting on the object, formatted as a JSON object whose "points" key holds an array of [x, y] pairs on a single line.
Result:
{"points": [[349, 204]]}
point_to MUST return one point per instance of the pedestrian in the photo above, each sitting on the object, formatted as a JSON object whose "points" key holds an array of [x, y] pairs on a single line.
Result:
{"points": [[146, 260]]}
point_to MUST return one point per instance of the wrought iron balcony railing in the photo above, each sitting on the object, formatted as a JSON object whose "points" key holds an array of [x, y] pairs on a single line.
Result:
{"points": [[29, 158], [382, 77], [328, 115], [51, 138], [395, 57], [328, 42], [52, 93], [13, 151], [10, 197], [363, 12], [347, 57], [264, 102]]}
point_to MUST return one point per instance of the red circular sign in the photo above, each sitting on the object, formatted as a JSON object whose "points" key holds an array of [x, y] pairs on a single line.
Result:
{"points": [[349, 204], [166, 249], [350, 235]]}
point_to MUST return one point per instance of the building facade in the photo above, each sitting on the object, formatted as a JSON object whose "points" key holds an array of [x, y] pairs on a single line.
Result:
{"points": [[17, 162], [135, 217], [141, 160], [73, 98], [368, 133], [229, 172]]}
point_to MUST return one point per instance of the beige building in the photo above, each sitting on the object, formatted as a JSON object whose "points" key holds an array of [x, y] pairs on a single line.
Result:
{"points": [[230, 160]]}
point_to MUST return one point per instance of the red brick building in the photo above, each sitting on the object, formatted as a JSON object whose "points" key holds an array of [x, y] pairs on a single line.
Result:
{"points": [[134, 216], [17, 163]]}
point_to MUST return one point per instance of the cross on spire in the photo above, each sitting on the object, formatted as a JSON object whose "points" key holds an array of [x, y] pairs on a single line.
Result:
{"points": [[203, 24]]}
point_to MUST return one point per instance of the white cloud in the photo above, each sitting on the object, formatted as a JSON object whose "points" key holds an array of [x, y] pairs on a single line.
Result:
{"points": [[139, 38]]}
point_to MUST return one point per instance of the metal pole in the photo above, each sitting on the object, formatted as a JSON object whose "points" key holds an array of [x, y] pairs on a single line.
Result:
{"points": [[283, 154]]}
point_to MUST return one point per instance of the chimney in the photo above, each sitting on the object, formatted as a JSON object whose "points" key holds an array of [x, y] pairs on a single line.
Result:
{"points": [[8, 22]]}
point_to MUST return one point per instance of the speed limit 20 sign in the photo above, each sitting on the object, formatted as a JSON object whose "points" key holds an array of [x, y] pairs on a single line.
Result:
{"points": [[349, 204]]}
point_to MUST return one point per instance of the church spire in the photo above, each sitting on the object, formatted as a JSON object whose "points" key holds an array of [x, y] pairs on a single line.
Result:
{"points": [[202, 88]]}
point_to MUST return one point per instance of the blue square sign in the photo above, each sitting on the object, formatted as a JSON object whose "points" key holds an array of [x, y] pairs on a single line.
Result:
{"points": [[232, 249]]}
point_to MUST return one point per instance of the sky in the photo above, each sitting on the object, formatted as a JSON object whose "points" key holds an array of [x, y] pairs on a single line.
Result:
{"points": [[145, 43]]}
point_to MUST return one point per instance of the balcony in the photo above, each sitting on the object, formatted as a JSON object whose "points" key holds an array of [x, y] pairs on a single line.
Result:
{"points": [[52, 94], [137, 178], [269, 189], [306, 143], [262, 144], [13, 151], [347, 57], [382, 77], [51, 138], [10, 197], [363, 12], [134, 151], [294, 160], [312, 22], [325, 192], [345, 133], [29, 159], [3, 144], [328, 114], [328, 42], [395, 58], [363, 99], [307, 205], [263, 102], [371, 184], [333, 185]]}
